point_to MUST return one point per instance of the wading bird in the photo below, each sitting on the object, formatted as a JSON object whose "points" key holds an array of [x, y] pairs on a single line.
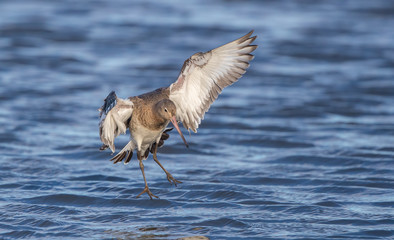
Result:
{"points": [[201, 80]]}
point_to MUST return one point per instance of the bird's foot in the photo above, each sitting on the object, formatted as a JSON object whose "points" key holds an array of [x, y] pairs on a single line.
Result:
{"points": [[171, 179], [146, 190]]}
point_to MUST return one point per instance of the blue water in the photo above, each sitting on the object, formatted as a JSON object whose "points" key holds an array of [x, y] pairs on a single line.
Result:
{"points": [[302, 147]]}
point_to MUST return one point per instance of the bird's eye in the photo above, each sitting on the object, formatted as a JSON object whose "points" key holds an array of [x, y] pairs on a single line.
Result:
{"points": [[165, 110]]}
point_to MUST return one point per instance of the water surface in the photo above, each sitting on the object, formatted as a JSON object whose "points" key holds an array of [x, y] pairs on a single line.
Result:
{"points": [[301, 147]]}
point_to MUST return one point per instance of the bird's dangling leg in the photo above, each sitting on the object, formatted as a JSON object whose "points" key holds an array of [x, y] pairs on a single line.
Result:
{"points": [[170, 178], [146, 189]]}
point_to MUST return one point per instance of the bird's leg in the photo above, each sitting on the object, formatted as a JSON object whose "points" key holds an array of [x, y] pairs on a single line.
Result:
{"points": [[170, 178], [146, 189]]}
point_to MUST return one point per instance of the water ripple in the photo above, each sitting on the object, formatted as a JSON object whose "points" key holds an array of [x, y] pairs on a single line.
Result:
{"points": [[299, 148]]}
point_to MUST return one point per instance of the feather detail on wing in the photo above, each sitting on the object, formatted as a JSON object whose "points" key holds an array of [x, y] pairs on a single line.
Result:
{"points": [[204, 75], [114, 114]]}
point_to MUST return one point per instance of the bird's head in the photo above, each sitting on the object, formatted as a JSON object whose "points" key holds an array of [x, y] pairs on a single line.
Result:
{"points": [[166, 109]]}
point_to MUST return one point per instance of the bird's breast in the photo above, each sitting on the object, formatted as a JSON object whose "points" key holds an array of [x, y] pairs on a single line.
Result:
{"points": [[145, 115], [143, 136]]}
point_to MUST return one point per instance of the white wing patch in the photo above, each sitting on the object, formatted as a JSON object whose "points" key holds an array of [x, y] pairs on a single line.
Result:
{"points": [[115, 114], [204, 75]]}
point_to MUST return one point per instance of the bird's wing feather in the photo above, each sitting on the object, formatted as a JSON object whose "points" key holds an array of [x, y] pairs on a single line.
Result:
{"points": [[204, 75], [114, 114]]}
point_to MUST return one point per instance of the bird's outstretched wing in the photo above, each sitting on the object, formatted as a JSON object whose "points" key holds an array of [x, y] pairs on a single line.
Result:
{"points": [[115, 115], [204, 75]]}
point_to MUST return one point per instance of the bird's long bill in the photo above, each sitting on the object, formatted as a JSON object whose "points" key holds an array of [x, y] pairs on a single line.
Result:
{"points": [[173, 120]]}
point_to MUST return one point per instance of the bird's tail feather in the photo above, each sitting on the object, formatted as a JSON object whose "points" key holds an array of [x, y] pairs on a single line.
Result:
{"points": [[126, 152]]}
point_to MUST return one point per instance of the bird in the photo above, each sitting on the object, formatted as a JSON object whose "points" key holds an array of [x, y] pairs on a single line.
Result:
{"points": [[202, 78]]}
